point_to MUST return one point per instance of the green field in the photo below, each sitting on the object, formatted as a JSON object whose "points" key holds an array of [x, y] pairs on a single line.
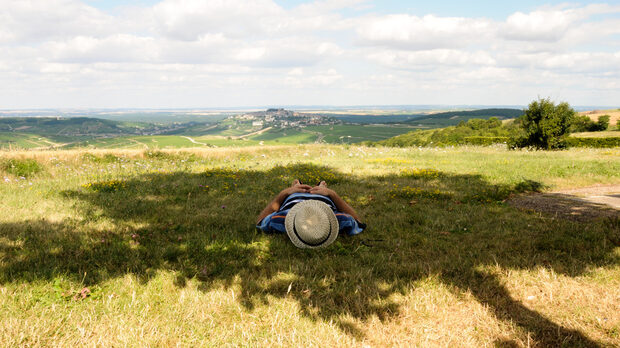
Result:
{"points": [[29, 141], [160, 142], [158, 248], [286, 136], [347, 134], [605, 134], [206, 136]]}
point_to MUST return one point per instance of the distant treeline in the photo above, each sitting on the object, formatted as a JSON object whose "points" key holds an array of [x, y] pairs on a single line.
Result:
{"points": [[58, 126], [473, 131], [436, 120]]}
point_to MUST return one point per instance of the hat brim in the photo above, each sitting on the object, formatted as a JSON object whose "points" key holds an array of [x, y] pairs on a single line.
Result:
{"points": [[289, 223]]}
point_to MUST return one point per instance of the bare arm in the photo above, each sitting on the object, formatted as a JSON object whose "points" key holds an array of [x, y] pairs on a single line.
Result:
{"points": [[275, 204], [341, 205]]}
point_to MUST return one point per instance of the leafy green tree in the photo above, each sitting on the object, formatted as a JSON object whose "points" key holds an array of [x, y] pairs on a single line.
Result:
{"points": [[602, 124], [581, 123], [545, 125]]}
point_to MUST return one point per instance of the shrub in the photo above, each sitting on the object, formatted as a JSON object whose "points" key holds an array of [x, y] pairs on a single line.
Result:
{"points": [[107, 158], [545, 125], [22, 167], [581, 123], [594, 142], [486, 141], [602, 124]]}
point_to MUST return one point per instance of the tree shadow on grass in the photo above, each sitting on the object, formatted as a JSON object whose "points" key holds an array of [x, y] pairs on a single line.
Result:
{"points": [[565, 206], [422, 223]]}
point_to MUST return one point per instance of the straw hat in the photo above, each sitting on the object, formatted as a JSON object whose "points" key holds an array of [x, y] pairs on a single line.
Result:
{"points": [[311, 224]]}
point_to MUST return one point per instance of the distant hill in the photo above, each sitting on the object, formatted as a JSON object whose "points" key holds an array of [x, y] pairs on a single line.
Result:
{"points": [[78, 126], [452, 118], [428, 120], [475, 130], [39, 132], [62, 126]]}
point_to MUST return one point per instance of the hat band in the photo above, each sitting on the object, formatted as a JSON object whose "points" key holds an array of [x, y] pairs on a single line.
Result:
{"points": [[310, 244]]}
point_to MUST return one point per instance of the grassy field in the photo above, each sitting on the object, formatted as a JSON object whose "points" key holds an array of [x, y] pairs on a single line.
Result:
{"points": [[605, 134], [10, 140], [614, 115], [158, 248], [347, 134], [209, 135], [286, 136]]}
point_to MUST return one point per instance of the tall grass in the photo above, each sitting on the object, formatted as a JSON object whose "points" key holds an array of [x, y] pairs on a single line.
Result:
{"points": [[159, 248]]}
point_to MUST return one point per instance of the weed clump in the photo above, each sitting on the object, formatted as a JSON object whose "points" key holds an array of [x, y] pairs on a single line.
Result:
{"points": [[421, 173], [21, 167], [107, 158], [416, 192], [158, 155], [106, 186]]}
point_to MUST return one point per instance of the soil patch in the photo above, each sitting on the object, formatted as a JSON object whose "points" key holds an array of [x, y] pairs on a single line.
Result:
{"points": [[583, 204]]}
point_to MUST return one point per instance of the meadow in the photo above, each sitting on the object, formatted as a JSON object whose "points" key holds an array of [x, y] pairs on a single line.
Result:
{"points": [[146, 247], [208, 136]]}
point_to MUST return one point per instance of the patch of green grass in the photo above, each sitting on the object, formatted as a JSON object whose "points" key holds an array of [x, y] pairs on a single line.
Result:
{"points": [[159, 247], [287, 136], [21, 167], [348, 134]]}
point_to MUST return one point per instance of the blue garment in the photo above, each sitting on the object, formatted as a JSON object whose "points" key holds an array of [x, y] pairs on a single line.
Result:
{"points": [[274, 222]]}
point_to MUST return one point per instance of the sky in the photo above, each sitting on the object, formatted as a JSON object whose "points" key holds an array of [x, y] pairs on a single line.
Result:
{"points": [[243, 53]]}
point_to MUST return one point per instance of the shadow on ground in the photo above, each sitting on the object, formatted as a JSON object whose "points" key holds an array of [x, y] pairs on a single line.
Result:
{"points": [[421, 224], [566, 206]]}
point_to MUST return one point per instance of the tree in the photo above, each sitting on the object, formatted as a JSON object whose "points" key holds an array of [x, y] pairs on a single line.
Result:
{"points": [[602, 124], [581, 123], [545, 125]]}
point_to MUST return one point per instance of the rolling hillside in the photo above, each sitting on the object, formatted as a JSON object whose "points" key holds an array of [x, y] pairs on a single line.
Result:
{"points": [[452, 118]]}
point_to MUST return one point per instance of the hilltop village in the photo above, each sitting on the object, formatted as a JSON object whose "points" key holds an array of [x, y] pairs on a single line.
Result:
{"points": [[281, 118]]}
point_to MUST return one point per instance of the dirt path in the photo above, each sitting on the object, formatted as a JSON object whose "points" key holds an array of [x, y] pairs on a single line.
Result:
{"points": [[319, 135], [140, 143], [253, 133], [194, 141], [582, 204]]}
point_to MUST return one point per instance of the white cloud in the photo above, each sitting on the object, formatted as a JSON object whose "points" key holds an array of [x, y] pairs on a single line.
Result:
{"points": [[321, 79], [538, 25], [205, 51], [430, 58], [189, 19], [422, 33], [114, 48], [31, 21], [554, 24]]}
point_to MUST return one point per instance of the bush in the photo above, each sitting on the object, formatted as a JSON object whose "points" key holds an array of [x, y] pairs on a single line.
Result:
{"points": [[486, 141], [602, 124], [582, 123], [545, 124], [22, 167], [594, 142]]}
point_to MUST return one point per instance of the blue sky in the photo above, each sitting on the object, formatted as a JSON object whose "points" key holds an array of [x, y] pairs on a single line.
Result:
{"points": [[207, 53], [489, 8], [492, 9]]}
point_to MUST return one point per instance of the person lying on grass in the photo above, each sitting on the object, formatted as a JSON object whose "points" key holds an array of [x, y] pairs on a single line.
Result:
{"points": [[312, 217]]}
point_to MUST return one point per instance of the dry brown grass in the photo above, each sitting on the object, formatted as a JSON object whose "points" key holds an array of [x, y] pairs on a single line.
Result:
{"points": [[614, 115], [511, 279]]}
